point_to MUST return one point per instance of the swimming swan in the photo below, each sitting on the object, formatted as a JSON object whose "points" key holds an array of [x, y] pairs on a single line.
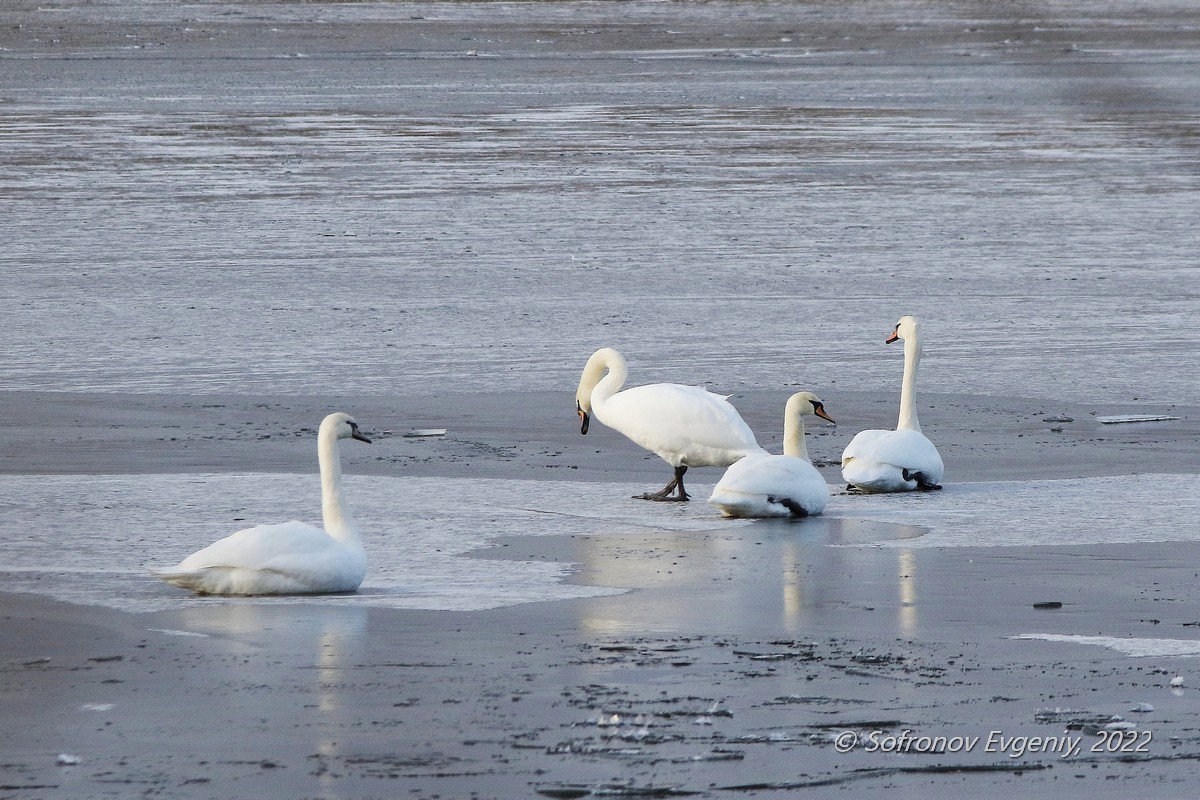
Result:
{"points": [[686, 426], [291, 557], [903, 459], [777, 486]]}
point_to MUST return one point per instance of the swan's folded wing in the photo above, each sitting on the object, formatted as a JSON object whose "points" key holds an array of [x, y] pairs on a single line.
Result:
{"points": [[863, 445], [906, 449], [675, 418], [254, 548]]}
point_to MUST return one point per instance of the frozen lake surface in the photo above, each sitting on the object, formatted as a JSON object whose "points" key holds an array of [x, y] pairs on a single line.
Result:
{"points": [[742, 247], [734, 194], [90, 539]]}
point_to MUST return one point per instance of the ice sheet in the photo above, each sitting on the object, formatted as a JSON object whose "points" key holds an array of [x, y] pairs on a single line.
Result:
{"points": [[91, 539], [1130, 646], [1011, 236]]}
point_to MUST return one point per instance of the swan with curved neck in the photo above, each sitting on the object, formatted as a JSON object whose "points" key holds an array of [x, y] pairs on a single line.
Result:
{"points": [[291, 557], [773, 485], [686, 426], [904, 459]]}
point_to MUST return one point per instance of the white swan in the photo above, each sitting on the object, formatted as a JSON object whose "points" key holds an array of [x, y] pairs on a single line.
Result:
{"points": [[291, 557], [777, 486], [687, 426], [903, 459]]}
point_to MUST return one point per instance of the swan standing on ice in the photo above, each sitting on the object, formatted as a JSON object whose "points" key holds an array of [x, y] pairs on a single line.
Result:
{"points": [[777, 486], [686, 426], [291, 557], [903, 459]]}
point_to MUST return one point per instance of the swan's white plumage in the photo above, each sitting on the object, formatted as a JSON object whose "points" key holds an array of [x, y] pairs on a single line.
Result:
{"points": [[290, 557], [788, 485], [686, 426], [887, 461], [904, 459]]}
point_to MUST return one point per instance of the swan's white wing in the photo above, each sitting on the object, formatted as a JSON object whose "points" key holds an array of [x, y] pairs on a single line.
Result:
{"points": [[770, 486], [255, 548], [286, 558], [877, 460], [682, 424]]}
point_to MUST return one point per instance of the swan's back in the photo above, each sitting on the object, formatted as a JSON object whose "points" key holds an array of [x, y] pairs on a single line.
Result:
{"points": [[288, 558], [683, 424], [771, 486], [888, 461]]}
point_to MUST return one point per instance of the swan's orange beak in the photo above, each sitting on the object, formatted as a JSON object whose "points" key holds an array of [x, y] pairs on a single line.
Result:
{"points": [[895, 335], [583, 415], [819, 410]]}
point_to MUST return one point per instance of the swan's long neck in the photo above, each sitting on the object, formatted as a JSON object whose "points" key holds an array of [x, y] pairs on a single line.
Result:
{"points": [[594, 386], [908, 388], [338, 522], [793, 433]]}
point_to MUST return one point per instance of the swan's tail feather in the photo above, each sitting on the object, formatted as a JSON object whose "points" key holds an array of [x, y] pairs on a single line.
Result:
{"points": [[194, 580]]}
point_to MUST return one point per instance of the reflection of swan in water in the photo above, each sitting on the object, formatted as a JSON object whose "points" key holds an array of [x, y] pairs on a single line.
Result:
{"points": [[291, 557], [777, 486], [686, 426], [903, 459]]}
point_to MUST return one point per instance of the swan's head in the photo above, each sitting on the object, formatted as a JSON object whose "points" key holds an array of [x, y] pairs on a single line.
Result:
{"points": [[584, 417], [342, 426], [906, 328], [808, 403], [603, 360]]}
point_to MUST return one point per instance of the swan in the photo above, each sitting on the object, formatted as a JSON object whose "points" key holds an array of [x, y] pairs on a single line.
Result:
{"points": [[777, 486], [291, 557], [686, 426], [903, 459]]}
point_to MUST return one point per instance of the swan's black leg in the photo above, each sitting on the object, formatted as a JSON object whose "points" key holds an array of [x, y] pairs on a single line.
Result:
{"points": [[684, 496], [665, 492], [791, 505], [922, 484]]}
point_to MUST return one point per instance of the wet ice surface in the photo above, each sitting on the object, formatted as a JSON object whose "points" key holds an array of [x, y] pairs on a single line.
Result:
{"points": [[90, 539], [1114, 509]]}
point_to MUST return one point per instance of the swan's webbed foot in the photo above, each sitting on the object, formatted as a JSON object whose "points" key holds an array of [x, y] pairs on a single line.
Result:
{"points": [[664, 494], [928, 487], [663, 498]]}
